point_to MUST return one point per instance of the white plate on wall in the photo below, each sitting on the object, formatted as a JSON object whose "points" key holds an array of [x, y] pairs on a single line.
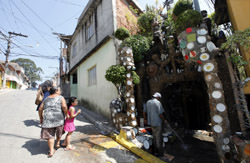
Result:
{"points": [[217, 119], [201, 31], [190, 45], [208, 67], [217, 85], [201, 39], [192, 54], [210, 46], [217, 128], [226, 140], [216, 94], [220, 107], [204, 57]]}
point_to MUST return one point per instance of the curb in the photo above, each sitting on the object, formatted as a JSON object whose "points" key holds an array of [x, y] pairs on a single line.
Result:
{"points": [[119, 137]]}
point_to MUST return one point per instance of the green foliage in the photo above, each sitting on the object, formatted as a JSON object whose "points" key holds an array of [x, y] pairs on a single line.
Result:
{"points": [[116, 74], [31, 70], [181, 6], [212, 17], [145, 23], [122, 33], [133, 9], [139, 44], [238, 39], [135, 77], [169, 24], [189, 18]]}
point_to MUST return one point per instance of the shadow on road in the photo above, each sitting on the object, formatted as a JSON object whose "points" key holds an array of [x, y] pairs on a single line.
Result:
{"points": [[12, 135], [121, 155], [87, 129], [31, 122], [36, 146]]}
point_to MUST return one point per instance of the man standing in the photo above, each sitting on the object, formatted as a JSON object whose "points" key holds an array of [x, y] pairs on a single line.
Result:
{"points": [[153, 116]]}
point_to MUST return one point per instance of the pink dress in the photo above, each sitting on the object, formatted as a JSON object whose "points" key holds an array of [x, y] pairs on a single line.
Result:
{"points": [[69, 125]]}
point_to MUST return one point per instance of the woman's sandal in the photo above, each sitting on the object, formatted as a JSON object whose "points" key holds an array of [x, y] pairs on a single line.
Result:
{"points": [[64, 146], [50, 154], [57, 147], [69, 148]]}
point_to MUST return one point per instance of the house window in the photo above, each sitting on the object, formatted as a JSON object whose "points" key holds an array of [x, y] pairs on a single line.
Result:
{"points": [[74, 50], [89, 28], [74, 79], [92, 76]]}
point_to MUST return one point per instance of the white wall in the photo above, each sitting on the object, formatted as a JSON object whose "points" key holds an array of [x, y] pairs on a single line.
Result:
{"points": [[104, 27], [104, 91]]}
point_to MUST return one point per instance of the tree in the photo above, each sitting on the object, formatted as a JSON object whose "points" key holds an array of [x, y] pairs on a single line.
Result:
{"points": [[30, 69]]}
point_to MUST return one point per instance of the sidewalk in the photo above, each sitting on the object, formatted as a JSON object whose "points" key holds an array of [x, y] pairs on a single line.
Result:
{"points": [[92, 139], [103, 124], [105, 127]]}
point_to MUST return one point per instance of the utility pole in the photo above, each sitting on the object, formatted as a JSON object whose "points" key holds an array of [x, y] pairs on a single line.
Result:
{"points": [[60, 59], [61, 37], [7, 53]]}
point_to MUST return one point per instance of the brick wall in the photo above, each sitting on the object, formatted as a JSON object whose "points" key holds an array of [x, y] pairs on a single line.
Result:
{"points": [[125, 17]]}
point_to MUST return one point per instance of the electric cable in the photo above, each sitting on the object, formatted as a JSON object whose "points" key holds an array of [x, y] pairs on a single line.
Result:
{"points": [[12, 13], [34, 27], [70, 3], [5, 13], [26, 51], [31, 55], [37, 16]]}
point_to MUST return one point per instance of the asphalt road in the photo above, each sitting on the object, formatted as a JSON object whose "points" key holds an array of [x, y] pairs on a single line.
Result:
{"points": [[20, 136]]}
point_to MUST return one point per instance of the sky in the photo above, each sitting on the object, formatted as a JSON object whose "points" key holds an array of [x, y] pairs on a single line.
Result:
{"points": [[39, 19]]}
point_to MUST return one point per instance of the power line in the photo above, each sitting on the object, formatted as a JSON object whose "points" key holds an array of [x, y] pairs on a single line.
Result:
{"points": [[26, 51], [12, 13], [37, 56], [37, 15], [34, 26], [70, 18], [70, 3], [4, 11], [11, 34]]}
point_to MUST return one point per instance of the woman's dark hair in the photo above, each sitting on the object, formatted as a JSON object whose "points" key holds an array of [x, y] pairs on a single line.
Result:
{"points": [[45, 85], [53, 90], [71, 100]]}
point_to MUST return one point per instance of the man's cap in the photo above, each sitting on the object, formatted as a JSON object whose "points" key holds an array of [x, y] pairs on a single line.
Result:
{"points": [[157, 94]]}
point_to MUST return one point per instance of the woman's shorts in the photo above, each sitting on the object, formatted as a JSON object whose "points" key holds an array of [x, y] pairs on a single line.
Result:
{"points": [[49, 133]]}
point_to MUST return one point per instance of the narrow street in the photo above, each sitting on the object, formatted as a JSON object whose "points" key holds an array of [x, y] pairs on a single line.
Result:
{"points": [[20, 136]]}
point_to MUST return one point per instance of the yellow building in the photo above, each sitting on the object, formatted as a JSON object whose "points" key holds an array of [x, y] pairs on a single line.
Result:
{"points": [[239, 12]]}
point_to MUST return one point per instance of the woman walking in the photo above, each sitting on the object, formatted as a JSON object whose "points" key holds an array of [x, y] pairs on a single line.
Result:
{"points": [[51, 114]]}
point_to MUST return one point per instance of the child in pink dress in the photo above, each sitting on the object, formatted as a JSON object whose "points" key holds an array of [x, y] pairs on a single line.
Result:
{"points": [[69, 125]]}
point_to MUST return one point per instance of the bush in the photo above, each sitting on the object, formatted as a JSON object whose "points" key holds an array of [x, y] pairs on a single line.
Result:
{"points": [[139, 44], [189, 18], [122, 33], [181, 6], [116, 74], [135, 77], [145, 23]]}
